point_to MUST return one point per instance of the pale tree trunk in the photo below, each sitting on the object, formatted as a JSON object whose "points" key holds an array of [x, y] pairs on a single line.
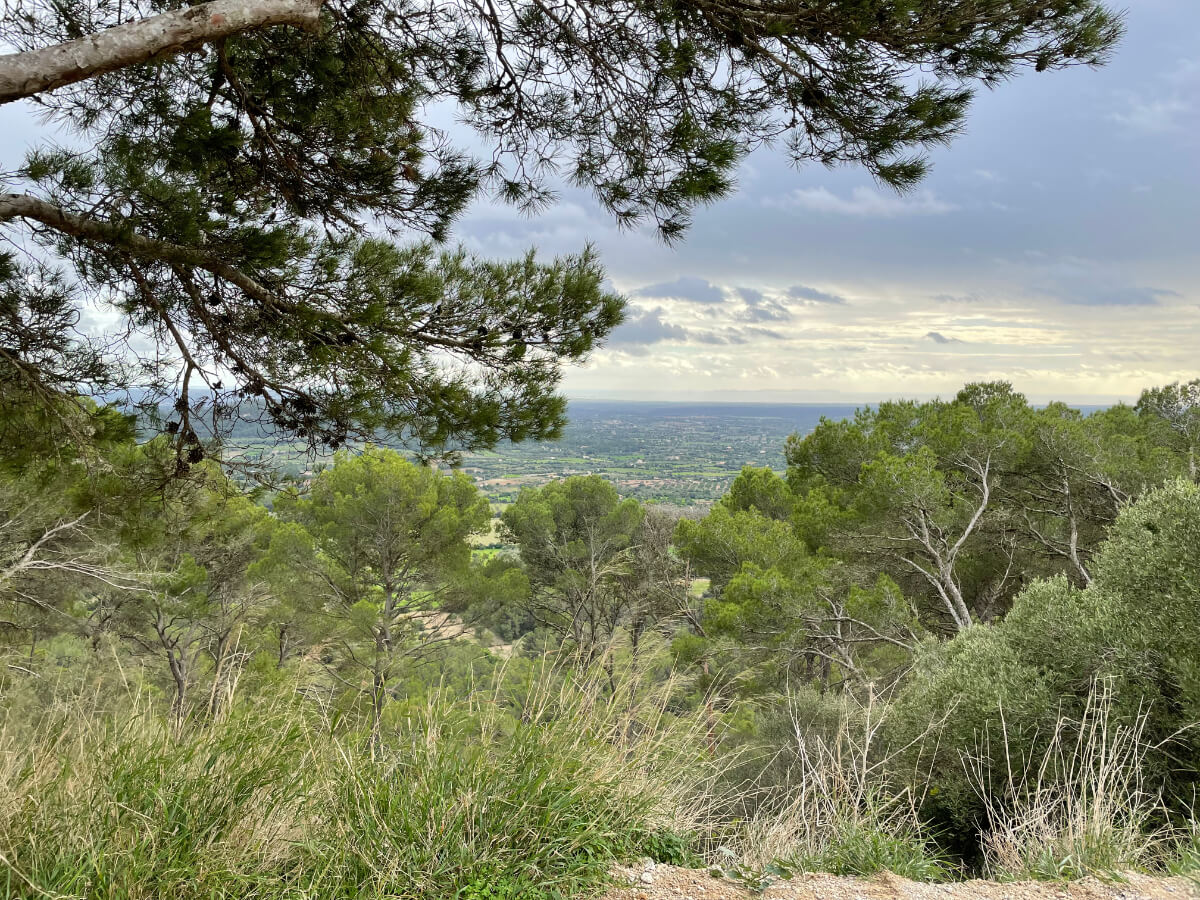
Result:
{"points": [[941, 556], [1068, 549], [177, 661], [33, 72], [230, 660], [940, 576], [1073, 536], [961, 612]]}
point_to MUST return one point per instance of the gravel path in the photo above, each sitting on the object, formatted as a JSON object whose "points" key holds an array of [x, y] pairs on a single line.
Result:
{"points": [[671, 883]]}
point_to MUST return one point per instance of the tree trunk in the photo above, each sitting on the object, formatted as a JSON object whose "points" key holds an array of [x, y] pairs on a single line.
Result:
{"points": [[177, 662], [32, 72], [378, 689], [383, 654], [958, 606], [284, 646]]}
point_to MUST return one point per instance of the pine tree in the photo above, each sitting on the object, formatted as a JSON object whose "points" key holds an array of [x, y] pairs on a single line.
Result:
{"points": [[253, 165]]}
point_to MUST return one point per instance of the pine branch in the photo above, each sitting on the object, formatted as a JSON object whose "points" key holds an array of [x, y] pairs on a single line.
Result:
{"points": [[32, 72]]}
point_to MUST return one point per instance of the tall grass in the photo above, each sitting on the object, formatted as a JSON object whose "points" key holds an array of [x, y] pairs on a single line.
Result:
{"points": [[491, 796], [503, 793], [838, 812], [1078, 807]]}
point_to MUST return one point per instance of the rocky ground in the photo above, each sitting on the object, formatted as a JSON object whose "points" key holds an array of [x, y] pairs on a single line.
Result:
{"points": [[651, 882]]}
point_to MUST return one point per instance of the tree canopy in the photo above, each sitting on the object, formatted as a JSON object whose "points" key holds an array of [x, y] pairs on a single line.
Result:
{"points": [[378, 542], [246, 168]]}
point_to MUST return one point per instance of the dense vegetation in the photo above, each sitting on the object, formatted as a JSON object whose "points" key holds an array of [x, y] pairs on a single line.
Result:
{"points": [[326, 693], [953, 636]]}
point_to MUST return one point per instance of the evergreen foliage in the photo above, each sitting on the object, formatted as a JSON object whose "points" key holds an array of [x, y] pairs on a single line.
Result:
{"points": [[247, 208]]}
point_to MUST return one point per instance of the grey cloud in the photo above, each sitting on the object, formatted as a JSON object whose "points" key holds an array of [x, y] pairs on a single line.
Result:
{"points": [[767, 311], [812, 295], [649, 327], [766, 333], [761, 309], [712, 337], [939, 338], [697, 290]]}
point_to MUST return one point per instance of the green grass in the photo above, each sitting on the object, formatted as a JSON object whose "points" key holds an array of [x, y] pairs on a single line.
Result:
{"points": [[466, 799], [859, 850], [1184, 857], [526, 787]]}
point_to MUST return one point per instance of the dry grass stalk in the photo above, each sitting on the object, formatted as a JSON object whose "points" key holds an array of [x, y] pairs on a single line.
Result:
{"points": [[1082, 807]]}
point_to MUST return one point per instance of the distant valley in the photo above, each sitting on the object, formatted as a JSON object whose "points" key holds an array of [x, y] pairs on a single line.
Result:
{"points": [[679, 453]]}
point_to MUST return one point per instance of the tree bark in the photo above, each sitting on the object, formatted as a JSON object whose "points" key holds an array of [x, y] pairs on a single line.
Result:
{"points": [[177, 662], [378, 696], [32, 72]]}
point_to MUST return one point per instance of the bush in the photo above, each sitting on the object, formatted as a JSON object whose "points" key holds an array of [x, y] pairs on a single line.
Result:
{"points": [[1082, 808], [1002, 692], [835, 811]]}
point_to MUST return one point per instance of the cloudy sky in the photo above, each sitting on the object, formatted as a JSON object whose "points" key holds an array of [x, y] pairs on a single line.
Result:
{"points": [[1056, 244]]}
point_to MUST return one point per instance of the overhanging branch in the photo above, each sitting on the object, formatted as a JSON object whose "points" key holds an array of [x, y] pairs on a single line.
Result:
{"points": [[24, 206], [32, 72]]}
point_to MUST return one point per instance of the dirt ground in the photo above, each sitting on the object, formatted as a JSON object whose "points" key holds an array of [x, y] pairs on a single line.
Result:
{"points": [[670, 883]]}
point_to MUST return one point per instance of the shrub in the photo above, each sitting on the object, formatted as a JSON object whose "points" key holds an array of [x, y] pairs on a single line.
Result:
{"points": [[1082, 808], [837, 812], [1134, 628]]}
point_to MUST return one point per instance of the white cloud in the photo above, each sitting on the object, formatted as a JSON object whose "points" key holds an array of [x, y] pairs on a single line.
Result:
{"points": [[863, 202], [1154, 116]]}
